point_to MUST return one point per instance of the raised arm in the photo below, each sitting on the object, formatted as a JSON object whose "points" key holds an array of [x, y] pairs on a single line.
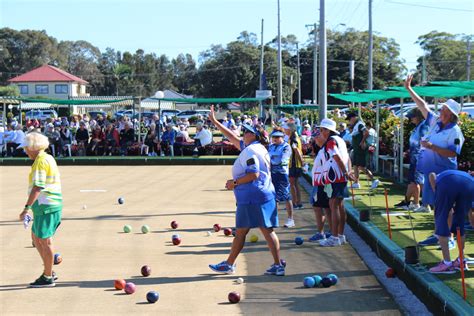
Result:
{"points": [[227, 132], [420, 103]]}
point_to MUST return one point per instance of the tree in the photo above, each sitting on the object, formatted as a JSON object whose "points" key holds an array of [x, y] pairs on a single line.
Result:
{"points": [[353, 45], [10, 91], [445, 56], [81, 59], [23, 51]]}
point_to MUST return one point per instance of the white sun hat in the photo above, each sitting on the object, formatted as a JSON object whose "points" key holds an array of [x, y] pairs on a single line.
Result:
{"points": [[329, 124]]}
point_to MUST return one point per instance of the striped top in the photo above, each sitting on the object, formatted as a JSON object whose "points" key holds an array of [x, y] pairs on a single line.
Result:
{"points": [[45, 174]]}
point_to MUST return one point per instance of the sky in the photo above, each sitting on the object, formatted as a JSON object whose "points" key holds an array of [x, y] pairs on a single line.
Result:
{"points": [[172, 27]]}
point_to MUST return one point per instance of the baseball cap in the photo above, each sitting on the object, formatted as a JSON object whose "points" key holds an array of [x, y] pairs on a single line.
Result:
{"points": [[277, 133]]}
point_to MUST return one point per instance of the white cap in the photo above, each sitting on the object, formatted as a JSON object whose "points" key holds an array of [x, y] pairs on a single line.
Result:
{"points": [[453, 106], [329, 124]]}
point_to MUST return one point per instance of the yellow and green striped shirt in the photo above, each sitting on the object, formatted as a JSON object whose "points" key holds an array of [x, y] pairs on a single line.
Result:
{"points": [[45, 174]]}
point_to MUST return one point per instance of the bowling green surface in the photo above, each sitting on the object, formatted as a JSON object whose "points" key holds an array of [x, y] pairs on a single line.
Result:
{"points": [[96, 251]]}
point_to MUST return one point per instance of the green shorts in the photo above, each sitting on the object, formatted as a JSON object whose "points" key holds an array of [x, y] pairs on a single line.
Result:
{"points": [[46, 220]]}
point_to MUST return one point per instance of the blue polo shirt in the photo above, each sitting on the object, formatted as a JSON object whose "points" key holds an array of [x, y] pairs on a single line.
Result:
{"points": [[447, 137], [280, 155], [252, 159]]}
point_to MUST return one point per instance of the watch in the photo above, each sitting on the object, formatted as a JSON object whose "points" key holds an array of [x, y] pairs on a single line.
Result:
{"points": [[28, 207], [235, 183]]}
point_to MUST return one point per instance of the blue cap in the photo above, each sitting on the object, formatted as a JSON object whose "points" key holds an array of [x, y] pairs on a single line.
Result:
{"points": [[251, 129], [277, 133]]}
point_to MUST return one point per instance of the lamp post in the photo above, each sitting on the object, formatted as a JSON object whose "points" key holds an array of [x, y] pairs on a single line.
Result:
{"points": [[159, 95]]}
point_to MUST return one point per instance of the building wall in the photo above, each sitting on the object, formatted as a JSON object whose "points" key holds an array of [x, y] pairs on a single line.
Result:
{"points": [[54, 90]]}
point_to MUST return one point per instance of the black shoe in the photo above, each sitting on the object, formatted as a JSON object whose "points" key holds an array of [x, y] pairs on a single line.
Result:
{"points": [[402, 204], [42, 281]]}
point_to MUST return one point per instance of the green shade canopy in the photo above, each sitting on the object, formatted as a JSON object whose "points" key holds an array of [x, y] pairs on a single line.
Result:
{"points": [[449, 89], [458, 84], [210, 100], [71, 102]]}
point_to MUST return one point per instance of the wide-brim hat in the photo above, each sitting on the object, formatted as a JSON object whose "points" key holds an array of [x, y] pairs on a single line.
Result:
{"points": [[329, 124], [453, 106]]}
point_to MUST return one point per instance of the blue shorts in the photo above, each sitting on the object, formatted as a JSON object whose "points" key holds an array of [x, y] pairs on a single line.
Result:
{"points": [[322, 199], [448, 196], [414, 176], [296, 172], [257, 215], [281, 182], [339, 190]]}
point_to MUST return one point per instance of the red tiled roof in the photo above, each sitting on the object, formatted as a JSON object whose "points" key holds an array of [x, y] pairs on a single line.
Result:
{"points": [[47, 73]]}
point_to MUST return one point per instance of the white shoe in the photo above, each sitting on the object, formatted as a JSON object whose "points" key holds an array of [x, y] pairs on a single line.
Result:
{"points": [[423, 209], [413, 206], [342, 239], [289, 223], [375, 184], [355, 185], [330, 242]]}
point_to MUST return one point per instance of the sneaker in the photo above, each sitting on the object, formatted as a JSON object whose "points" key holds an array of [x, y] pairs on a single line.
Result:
{"points": [[289, 223], [317, 237], [443, 268], [42, 281], [402, 204], [451, 245], [423, 209], [375, 184], [430, 241], [355, 185], [55, 276], [328, 235], [342, 239], [276, 269], [412, 207], [457, 264], [330, 242], [223, 267], [299, 206]]}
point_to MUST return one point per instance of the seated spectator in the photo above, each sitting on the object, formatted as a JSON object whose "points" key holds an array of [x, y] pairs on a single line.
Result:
{"points": [[202, 138], [127, 137], [97, 141], [54, 138], [306, 134], [183, 136], [112, 139], [8, 137], [65, 138], [168, 140], [82, 139], [151, 140]]}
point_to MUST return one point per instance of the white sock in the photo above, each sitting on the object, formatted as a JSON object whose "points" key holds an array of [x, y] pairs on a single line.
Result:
{"points": [[448, 263]]}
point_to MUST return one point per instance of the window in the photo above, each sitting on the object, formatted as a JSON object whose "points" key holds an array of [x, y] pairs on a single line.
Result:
{"points": [[42, 89], [61, 89], [23, 88]]}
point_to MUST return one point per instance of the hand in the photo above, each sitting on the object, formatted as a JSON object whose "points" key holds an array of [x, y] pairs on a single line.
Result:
{"points": [[23, 214], [229, 185], [408, 80], [426, 144], [212, 115], [350, 176]]}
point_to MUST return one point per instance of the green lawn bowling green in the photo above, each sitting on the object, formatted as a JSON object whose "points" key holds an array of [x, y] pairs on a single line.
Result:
{"points": [[402, 233]]}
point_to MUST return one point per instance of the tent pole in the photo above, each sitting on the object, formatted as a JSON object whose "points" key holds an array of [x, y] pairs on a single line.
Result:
{"points": [[400, 167], [359, 109], [139, 120], [436, 104], [377, 127], [4, 115], [21, 116]]}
